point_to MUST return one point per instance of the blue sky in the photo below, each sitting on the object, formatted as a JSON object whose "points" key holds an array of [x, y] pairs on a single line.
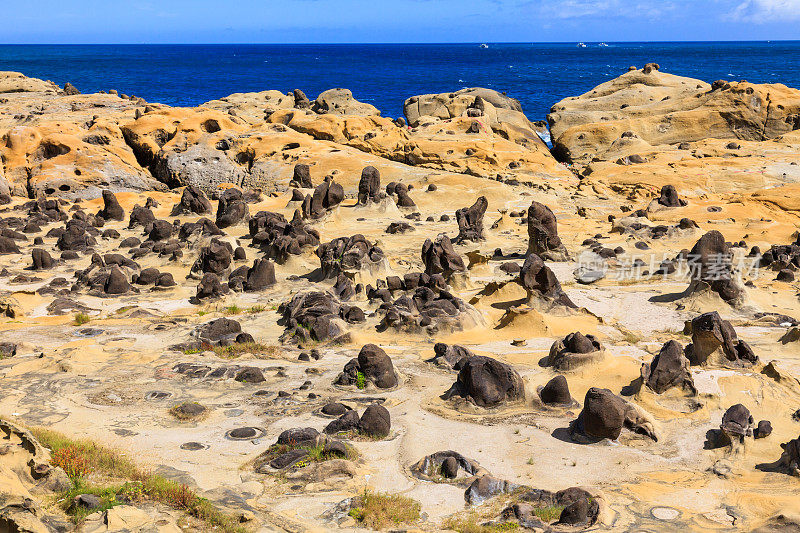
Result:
{"points": [[363, 21]]}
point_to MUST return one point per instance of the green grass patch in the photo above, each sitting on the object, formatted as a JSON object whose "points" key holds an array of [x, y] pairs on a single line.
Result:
{"points": [[378, 510], [256, 309], [361, 381], [548, 513], [233, 310], [80, 319]]}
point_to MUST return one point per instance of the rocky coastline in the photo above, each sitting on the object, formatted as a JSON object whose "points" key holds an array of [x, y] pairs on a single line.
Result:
{"points": [[272, 312]]}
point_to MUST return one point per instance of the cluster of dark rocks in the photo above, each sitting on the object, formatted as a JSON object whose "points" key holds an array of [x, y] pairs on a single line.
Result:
{"points": [[317, 316], [375, 422], [425, 304], [349, 254], [293, 449], [278, 239]]}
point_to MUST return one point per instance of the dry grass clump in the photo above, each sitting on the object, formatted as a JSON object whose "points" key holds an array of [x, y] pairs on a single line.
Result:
{"points": [[378, 510], [107, 473]]}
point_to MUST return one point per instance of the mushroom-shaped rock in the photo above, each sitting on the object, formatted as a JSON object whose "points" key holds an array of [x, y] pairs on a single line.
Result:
{"points": [[575, 350], [543, 238], [232, 208], [470, 221], [714, 341], [116, 283], [439, 257], [193, 201], [711, 267], [669, 368], [669, 197], [604, 415], [369, 187], [373, 363], [260, 276], [556, 392], [541, 283], [737, 423], [111, 208], [487, 382]]}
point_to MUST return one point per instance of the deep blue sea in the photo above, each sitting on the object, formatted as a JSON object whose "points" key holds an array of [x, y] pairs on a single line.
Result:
{"points": [[384, 75]]}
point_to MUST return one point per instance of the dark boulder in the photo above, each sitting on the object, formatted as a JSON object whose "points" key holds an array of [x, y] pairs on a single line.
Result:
{"points": [[605, 414], [373, 363], [375, 422], [160, 230], [41, 259], [193, 201], [231, 209], [209, 287], [116, 283], [302, 176], [369, 187], [450, 356], [670, 368], [669, 197], [556, 392], [574, 350], [711, 267], [540, 282], [470, 221], [348, 254], [260, 276], [714, 341], [487, 382], [111, 208], [543, 238], [439, 257], [215, 258]]}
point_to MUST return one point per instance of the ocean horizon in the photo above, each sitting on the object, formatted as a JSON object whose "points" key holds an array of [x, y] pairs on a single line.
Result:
{"points": [[537, 74]]}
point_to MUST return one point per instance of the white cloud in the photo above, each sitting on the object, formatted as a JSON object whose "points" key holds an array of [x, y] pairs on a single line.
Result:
{"points": [[766, 10]]}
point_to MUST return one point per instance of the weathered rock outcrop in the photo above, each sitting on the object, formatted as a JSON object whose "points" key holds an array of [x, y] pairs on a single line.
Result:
{"points": [[663, 109]]}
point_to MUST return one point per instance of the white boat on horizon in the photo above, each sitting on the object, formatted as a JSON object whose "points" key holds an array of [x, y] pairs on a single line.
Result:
{"points": [[484, 45], [581, 45], [603, 45]]}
